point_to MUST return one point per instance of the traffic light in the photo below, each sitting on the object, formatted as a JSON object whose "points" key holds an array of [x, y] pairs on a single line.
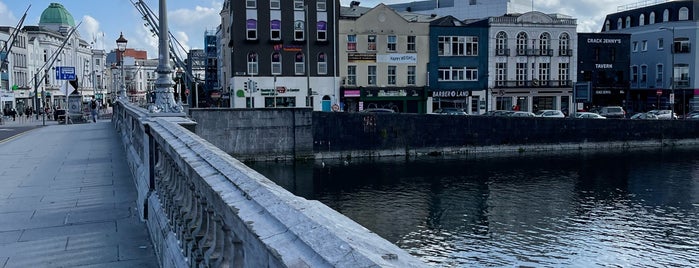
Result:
{"points": [[245, 85], [253, 86]]}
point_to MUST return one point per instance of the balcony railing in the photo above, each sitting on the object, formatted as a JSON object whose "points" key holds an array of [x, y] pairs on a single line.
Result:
{"points": [[534, 52], [533, 83], [681, 83], [502, 52], [565, 52]]}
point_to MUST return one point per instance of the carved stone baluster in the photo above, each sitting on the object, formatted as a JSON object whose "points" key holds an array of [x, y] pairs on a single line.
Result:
{"points": [[213, 257], [193, 228]]}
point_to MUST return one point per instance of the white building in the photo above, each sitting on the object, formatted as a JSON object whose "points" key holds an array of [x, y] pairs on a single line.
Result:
{"points": [[532, 61]]}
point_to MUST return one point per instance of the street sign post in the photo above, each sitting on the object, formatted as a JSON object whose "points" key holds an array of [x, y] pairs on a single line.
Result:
{"points": [[65, 73]]}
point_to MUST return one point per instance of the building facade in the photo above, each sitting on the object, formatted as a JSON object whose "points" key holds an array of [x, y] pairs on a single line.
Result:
{"points": [[283, 53], [458, 65], [383, 59], [603, 64], [532, 61], [663, 63], [463, 9]]}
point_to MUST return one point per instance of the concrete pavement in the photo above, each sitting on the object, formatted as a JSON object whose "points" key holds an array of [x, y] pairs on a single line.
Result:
{"points": [[67, 199]]}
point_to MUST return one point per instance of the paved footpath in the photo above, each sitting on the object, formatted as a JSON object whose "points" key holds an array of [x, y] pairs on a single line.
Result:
{"points": [[67, 199]]}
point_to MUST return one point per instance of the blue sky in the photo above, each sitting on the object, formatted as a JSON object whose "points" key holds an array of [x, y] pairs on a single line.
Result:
{"points": [[102, 20]]}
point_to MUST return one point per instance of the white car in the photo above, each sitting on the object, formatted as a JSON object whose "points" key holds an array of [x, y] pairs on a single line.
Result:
{"points": [[521, 114], [550, 113], [664, 114], [589, 115]]}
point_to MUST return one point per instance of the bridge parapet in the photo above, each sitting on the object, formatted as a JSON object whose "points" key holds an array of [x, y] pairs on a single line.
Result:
{"points": [[206, 209]]}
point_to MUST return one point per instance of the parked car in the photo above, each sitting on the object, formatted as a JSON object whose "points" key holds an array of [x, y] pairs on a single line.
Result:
{"points": [[451, 111], [550, 113], [612, 112], [378, 110], [521, 114], [498, 113], [589, 115], [690, 114], [646, 116], [664, 114]]}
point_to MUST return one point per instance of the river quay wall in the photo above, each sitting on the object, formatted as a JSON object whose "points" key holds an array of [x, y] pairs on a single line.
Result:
{"points": [[265, 134]]}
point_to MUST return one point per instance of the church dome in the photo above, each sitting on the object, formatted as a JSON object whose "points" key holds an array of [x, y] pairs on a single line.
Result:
{"points": [[56, 14]]}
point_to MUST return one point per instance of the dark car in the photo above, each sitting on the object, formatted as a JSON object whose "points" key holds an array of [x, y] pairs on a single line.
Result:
{"points": [[612, 112]]}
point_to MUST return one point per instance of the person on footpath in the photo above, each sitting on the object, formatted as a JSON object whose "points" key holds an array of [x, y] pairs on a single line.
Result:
{"points": [[93, 109]]}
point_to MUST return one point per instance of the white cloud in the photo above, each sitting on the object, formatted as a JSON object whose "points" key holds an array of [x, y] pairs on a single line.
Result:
{"points": [[6, 16]]}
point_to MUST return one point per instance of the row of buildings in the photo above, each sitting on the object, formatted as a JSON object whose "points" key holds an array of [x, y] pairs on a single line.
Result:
{"points": [[415, 57]]}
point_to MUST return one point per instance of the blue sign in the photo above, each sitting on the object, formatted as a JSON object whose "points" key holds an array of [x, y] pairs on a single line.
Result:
{"points": [[65, 73], [582, 92]]}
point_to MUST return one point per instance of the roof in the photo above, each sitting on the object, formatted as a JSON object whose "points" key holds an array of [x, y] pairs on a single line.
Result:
{"points": [[56, 14]]}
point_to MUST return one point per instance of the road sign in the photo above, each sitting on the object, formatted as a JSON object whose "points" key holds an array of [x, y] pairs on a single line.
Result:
{"points": [[659, 92], [65, 73], [672, 98]]}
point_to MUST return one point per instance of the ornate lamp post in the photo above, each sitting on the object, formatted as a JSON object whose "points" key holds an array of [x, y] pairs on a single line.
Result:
{"points": [[121, 46], [164, 97]]}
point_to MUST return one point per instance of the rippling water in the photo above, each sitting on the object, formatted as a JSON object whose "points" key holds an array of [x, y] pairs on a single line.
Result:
{"points": [[633, 209]]}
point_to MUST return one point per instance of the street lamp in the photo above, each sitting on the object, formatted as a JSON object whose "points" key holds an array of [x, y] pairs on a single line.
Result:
{"points": [[121, 46], [672, 76]]}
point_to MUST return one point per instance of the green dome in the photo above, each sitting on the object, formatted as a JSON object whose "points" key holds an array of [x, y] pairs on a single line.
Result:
{"points": [[56, 14]]}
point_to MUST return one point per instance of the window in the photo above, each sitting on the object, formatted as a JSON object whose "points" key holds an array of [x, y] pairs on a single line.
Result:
{"points": [[351, 75], [651, 18], [500, 73], [371, 75], [644, 45], [471, 74], [371, 42], [252, 63], [321, 5], [644, 74], [521, 73], [661, 44], [391, 43], [522, 43], [251, 27], [276, 63], [458, 46], [275, 27], [634, 74], [659, 74], [351, 42], [563, 73], [564, 45], [612, 54], [666, 15], [322, 31], [641, 20], [457, 74], [250, 3], [411, 75], [681, 45], [683, 14], [628, 22], [299, 30], [411, 43], [544, 44], [544, 73], [634, 46], [501, 44], [299, 64], [274, 4], [618, 24], [391, 74], [298, 4], [681, 75], [322, 63]]}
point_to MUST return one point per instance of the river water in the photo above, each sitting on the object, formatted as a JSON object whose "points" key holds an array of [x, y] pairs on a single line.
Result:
{"points": [[631, 209]]}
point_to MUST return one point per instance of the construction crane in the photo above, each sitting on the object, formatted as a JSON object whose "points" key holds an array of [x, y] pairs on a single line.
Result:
{"points": [[7, 48], [152, 22]]}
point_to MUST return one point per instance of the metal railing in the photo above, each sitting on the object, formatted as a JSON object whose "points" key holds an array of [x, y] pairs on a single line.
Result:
{"points": [[533, 84]]}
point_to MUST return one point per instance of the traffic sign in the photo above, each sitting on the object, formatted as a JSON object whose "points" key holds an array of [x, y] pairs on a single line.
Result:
{"points": [[65, 73], [659, 92]]}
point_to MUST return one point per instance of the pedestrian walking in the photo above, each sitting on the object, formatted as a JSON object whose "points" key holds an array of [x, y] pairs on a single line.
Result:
{"points": [[93, 109]]}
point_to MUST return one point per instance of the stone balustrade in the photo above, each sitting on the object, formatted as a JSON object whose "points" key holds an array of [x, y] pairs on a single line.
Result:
{"points": [[206, 209]]}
